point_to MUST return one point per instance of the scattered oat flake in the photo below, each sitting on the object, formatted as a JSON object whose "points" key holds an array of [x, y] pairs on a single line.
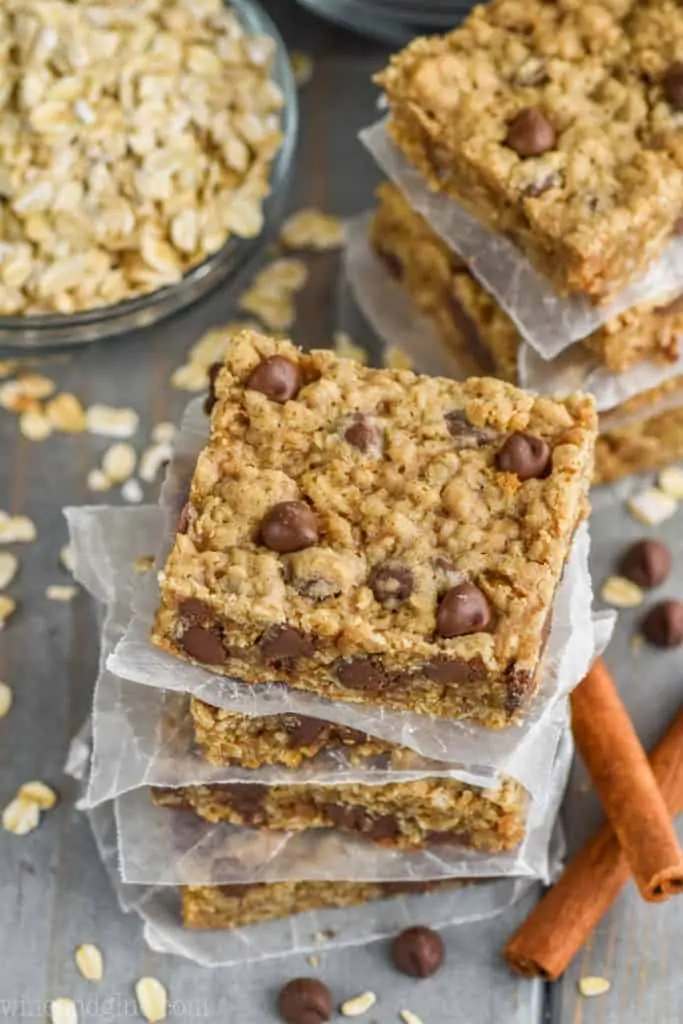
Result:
{"points": [[34, 425], [16, 529], [670, 481], [63, 1011], [189, 377], [636, 643], [277, 313], [302, 67], [66, 413], [5, 699], [89, 962], [621, 593], [119, 461], [144, 563], [67, 557], [21, 816], [40, 793], [408, 1017], [152, 459], [346, 348], [35, 385], [109, 421], [358, 1005], [98, 481], [312, 229], [164, 432], [7, 608], [285, 275], [593, 986], [651, 506], [7, 367], [152, 999], [8, 568], [313, 960], [213, 345], [61, 592], [132, 491], [396, 359]]}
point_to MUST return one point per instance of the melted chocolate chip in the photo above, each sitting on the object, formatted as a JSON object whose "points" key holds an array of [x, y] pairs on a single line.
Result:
{"points": [[284, 644], [303, 731], [451, 838], [418, 952], [453, 670], [673, 85], [289, 526], [647, 563], [530, 133], [362, 674], [467, 435], [528, 457], [517, 683], [277, 378], [392, 263], [663, 625], [211, 398], [245, 798], [204, 644], [463, 610], [356, 819], [362, 433], [183, 519], [305, 1001], [391, 583], [192, 610]]}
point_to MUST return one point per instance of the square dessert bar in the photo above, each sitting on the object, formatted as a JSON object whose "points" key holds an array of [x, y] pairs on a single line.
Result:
{"points": [[231, 906], [375, 536], [469, 318], [556, 123], [644, 433]]}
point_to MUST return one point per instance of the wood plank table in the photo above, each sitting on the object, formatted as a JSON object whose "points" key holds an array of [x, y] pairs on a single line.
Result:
{"points": [[55, 894]]}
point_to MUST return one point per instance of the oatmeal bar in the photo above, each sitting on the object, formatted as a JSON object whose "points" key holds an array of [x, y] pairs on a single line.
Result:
{"points": [[403, 815], [374, 536], [225, 737], [467, 316], [231, 906], [642, 434], [556, 124]]}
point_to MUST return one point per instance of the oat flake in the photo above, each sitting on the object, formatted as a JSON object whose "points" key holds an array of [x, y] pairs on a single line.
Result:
{"points": [[89, 962], [152, 999]]}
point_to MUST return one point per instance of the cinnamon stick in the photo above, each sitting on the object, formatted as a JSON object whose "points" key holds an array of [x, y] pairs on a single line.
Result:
{"points": [[561, 923], [627, 789]]}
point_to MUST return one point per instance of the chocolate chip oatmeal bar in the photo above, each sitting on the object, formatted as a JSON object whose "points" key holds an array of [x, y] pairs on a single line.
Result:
{"points": [[231, 906], [556, 124], [403, 815], [374, 536], [468, 317], [225, 737], [643, 433]]}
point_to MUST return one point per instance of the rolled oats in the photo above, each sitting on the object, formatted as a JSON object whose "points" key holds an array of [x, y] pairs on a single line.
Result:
{"points": [[108, 421], [68, 558], [358, 1005], [312, 229], [63, 1011], [7, 608], [119, 461], [346, 348], [132, 491], [89, 962], [152, 459], [302, 66], [34, 425], [164, 432], [66, 413], [39, 793], [98, 481], [15, 529], [21, 816], [5, 699], [8, 568], [61, 592], [134, 147], [152, 999]]}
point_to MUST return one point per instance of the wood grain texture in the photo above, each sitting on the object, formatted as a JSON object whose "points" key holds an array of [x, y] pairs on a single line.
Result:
{"points": [[55, 894]]}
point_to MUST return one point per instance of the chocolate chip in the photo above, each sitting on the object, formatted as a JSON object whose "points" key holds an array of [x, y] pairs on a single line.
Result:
{"points": [[362, 433], [463, 610], [391, 583], [536, 188], [277, 378], [673, 85], [418, 952], [193, 610], [203, 644], [305, 1001], [289, 526], [302, 730], [530, 133], [451, 838], [453, 670], [362, 673], [284, 643], [528, 457], [245, 798], [663, 625], [211, 398], [517, 685], [392, 263], [357, 819], [467, 435], [647, 563]]}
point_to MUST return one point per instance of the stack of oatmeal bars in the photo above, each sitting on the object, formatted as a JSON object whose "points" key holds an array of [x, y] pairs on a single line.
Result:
{"points": [[384, 541], [557, 127]]}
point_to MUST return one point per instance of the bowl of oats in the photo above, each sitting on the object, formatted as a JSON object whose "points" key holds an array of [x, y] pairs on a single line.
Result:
{"points": [[145, 149]]}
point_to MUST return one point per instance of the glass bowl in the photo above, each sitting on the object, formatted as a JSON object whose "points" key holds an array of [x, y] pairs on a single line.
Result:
{"points": [[59, 330]]}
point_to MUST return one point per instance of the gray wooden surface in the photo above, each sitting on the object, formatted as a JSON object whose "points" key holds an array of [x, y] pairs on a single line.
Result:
{"points": [[54, 892]]}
